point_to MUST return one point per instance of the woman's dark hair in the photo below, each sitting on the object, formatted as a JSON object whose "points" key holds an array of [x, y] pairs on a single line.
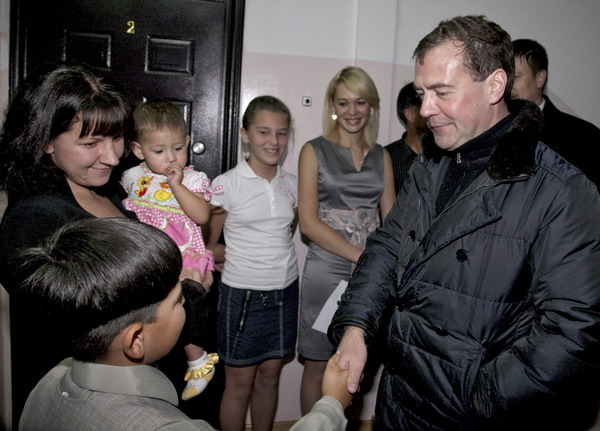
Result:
{"points": [[43, 108], [97, 276]]}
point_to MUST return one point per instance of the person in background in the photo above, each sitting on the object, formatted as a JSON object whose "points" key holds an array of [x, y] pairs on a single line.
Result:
{"points": [[577, 140], [485, 277], [346, 187], [258, 294], [65, 131], [166, 193], [404, 151]]}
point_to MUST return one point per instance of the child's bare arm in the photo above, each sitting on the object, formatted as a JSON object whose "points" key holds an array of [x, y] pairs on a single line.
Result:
{"points": [[212, 232], [335, 381], [193, 204]]}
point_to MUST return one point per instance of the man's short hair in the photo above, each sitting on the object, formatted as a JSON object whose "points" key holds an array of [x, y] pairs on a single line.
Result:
{"points": [[407, 98], [534, 53], [97, 276], [485, 46]]}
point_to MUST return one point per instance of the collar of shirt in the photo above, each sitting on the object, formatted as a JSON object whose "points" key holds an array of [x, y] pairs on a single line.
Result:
{"points": [[541, 105], [247, 172], [136, 380]]}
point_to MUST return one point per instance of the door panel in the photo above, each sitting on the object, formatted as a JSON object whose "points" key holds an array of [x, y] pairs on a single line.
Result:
{"points": [[187, 51]]}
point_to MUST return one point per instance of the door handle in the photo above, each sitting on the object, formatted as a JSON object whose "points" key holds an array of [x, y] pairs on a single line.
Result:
{"points": [[198, 148]]}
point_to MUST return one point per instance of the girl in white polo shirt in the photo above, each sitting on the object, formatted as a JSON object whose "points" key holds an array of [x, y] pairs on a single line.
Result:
{"points": [[258, 293]]}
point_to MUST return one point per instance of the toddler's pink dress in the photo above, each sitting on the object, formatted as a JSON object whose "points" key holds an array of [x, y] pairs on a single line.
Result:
{"points": [[151, 198]]}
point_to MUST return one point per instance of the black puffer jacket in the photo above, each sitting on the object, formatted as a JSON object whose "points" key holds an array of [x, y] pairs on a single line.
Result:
{"points": [[496, 302]]}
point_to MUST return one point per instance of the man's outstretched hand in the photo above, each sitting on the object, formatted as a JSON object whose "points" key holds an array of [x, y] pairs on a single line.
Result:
{"points": [[352, 356]]}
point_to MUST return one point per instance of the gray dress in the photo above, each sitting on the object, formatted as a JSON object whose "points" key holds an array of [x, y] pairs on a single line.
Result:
{"points": [[349, 203]]}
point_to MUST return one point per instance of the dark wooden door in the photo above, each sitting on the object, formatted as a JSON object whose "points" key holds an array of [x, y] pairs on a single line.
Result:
{"points": [[188, 51]]}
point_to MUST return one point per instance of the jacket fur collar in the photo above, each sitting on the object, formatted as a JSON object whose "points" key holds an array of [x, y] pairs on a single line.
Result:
{"points": [[515, 153]]}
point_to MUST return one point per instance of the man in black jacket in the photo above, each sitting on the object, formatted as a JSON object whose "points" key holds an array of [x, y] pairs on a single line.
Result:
{"points": [[573, 138], [485, 277]]}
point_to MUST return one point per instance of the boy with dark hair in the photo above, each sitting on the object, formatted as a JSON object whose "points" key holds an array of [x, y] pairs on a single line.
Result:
{"points": [[114, 282], [117, 282]]}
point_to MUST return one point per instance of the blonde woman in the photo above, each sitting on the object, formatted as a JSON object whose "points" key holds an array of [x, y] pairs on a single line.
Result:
{"points": [[345, 188]]}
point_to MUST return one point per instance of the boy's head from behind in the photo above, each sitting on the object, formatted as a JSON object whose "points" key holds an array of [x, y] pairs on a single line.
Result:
{"points": [[160, 136], [112, 281]]}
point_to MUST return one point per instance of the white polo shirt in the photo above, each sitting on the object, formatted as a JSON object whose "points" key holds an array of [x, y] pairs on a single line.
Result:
{"points": [[259, 252]]}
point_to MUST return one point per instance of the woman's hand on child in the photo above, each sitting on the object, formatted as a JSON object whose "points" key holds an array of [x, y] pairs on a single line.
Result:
{"points": [[194, 275], [207, 281], [189, 273]]}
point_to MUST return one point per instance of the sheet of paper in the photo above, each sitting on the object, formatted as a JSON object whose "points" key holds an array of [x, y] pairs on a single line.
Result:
{"points": [[326, 314]]}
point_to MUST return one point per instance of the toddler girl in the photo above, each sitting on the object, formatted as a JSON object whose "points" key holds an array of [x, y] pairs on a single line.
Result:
{"points": [[163, 192]]}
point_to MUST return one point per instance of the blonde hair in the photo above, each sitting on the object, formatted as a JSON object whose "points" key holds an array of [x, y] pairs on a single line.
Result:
{"points": [[358, 81]]}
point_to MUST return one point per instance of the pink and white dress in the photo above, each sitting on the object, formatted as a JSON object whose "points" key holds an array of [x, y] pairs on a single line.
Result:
{"points": [[151, 198]]}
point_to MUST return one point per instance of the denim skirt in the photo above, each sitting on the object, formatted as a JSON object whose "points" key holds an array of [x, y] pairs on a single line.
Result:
{"points": [[254, 326]]}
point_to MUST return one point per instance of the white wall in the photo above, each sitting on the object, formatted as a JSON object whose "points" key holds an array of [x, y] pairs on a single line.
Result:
{"points": [[292, 49]]}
